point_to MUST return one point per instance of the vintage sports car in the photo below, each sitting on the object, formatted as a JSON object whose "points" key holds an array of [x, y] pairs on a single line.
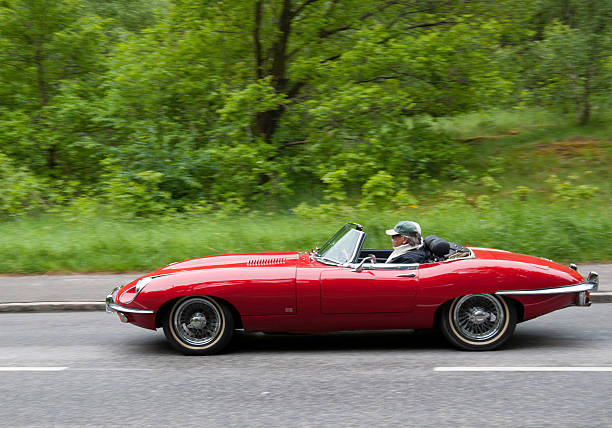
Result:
{"points": [[476, 296]]}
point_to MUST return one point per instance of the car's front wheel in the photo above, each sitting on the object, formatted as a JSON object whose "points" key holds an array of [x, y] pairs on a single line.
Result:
{"points": [[478, 322], [198, 325]]}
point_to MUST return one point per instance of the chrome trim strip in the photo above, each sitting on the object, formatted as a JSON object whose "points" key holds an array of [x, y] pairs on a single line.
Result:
{"points": [[576, 288], [362, 236], [110, 299], [136, 293], [384, 266], [124, 309]]}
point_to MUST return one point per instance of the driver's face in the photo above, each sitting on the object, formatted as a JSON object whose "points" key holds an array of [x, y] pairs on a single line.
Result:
{"points": [[398, 240]]}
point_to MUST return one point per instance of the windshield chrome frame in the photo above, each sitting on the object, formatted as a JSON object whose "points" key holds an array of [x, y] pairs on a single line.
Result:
{"points": [[353, 255], [384, 266]]}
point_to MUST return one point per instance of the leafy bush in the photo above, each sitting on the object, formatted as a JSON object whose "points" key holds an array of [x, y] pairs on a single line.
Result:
{"points": [[378, 191], [568, 191], [21, 191], [522, 192], [132, 194]]}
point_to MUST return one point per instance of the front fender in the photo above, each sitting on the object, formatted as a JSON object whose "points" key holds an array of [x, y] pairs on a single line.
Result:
{"points": [[252, 291]]}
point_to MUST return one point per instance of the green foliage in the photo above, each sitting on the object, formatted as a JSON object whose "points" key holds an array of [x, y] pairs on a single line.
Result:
{"points": [[569, 191], [132, 195], [335, 180], [490, 183], [522, 192], [483, 202], [378, 191], [144, 107], [570, 64], [21, 190]]}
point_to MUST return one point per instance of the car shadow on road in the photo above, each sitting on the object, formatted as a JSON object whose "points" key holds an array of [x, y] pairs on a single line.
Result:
{"points": [[367, 341], [347, 341], [341, 341]]}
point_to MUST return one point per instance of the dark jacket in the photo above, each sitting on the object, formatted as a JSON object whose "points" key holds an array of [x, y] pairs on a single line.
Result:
{"points": [[418, 255]]}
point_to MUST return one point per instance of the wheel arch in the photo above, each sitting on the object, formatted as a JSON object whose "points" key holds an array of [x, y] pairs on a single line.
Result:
{"points": [[164, 308]]}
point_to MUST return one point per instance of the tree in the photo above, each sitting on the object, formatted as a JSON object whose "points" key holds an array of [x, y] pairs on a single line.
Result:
{"points": [[276, 86], [571, 63], [51, 51]]}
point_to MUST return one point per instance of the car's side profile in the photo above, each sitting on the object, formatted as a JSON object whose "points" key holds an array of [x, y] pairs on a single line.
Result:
{"points": [[476, 296]]}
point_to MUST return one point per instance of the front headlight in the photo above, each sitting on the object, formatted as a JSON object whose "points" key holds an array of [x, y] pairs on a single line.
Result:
{"points": [[142, 283], [129, 295]]}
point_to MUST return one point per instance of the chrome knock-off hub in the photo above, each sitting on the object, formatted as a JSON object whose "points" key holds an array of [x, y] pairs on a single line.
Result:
{"points": [[197, 321], [479, 315]]}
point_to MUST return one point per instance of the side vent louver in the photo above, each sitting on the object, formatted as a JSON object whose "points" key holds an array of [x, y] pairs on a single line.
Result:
{"points": [[267, 262]]}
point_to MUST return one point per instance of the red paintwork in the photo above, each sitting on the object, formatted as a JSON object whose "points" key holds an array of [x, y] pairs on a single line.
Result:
{"points": [[291, 292]]}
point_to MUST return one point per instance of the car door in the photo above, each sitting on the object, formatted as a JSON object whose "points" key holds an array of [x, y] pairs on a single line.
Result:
{"points": [[378, 288]]}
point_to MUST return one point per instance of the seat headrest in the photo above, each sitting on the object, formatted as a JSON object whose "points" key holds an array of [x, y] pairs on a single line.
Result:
{"points": [[440, 247]]}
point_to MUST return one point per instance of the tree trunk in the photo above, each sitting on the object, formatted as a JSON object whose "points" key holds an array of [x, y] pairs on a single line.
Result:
{"points": [[40, 76], [44, 99], [585, 114], [266, 122]]}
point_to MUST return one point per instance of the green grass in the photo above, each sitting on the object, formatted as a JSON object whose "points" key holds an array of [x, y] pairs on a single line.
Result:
{"points": [[529, 123], [55, 244], [524, 148]]}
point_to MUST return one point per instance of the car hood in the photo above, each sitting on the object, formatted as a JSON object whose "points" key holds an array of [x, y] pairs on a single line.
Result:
{"points": [[231, 260]]}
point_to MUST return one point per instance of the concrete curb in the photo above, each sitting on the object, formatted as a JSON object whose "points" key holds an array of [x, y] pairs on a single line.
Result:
{"points": [[601, 297], [51, 306], [598, 297]]}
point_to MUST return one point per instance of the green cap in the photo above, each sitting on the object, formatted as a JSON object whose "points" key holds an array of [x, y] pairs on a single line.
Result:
{"points": [[405, 228]]}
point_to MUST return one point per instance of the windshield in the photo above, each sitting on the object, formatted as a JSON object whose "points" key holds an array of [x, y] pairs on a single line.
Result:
{"points": [[341, 248]]}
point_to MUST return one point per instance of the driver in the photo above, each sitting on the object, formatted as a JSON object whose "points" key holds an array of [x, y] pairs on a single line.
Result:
{"points": [[407, 243]]}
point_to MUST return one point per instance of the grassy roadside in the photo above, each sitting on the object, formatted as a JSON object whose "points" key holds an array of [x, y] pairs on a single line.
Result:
{"points": [[55, 244]]}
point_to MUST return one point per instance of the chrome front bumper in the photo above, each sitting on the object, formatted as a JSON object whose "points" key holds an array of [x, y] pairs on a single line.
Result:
{"points": [[111, 306], [583, 289]]}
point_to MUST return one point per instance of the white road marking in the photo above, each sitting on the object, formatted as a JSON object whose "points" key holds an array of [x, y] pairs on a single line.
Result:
{"points": [[32, 369], [524, 369], [58, 369], [98, 369], [52, 303]]}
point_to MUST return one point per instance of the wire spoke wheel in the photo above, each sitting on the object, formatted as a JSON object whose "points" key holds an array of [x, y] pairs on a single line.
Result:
{"points": [[478, 322], [197, 321], [479, 317], [198, 325]]}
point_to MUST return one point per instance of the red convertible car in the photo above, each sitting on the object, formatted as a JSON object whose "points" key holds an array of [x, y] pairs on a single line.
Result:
{"points": [[476, 296]]}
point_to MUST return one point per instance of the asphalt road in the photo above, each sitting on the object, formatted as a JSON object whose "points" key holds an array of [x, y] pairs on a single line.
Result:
{"points": [[112, 374]]}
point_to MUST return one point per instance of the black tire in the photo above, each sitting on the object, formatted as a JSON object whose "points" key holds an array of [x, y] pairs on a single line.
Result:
{"points": [[478, 322], [198, 325]]}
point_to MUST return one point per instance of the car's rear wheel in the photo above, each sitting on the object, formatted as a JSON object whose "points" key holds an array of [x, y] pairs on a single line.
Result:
{"points": [[478, 322], [198, 325]]}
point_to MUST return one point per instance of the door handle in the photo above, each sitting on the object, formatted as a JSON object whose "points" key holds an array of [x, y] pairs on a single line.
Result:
{"points": [[409, 275]]}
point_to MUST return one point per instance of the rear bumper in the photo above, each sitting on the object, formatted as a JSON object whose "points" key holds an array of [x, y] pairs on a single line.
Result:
{"points": [[582, 290]]}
